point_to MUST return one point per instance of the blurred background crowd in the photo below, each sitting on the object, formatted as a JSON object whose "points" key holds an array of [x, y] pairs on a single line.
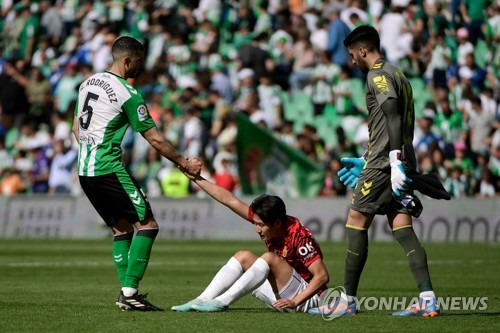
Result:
{"points": [[281, 62]]}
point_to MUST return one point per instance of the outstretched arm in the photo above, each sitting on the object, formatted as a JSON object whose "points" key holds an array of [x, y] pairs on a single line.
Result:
{"points": [[158, 142], [223, 196]]}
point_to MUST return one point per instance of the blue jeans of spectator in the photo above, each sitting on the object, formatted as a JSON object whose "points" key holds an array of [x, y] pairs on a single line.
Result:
{"points": [[299, 79]]}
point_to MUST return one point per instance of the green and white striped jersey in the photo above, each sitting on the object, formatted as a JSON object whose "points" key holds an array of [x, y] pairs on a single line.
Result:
{"points": [[106, 106]]}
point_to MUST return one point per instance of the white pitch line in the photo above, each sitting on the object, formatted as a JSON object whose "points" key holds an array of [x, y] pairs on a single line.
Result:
{"points": [[96, 264]]}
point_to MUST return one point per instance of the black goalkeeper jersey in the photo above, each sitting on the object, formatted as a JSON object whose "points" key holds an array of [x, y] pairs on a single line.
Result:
{"points": [[385, 81]]}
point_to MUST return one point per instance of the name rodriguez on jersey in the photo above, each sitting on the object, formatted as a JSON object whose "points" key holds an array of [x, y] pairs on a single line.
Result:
{"points": [[104, 85]]}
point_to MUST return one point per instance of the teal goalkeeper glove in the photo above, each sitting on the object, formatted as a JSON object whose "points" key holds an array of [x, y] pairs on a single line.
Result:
{"points": [[349, 174], [399, 181]]}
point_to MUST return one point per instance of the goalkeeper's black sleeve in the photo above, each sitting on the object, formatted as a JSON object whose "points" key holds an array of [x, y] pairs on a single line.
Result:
{"points": [[394, 123]]}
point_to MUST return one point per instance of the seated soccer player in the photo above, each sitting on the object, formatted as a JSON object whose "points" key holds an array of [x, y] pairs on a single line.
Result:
{"points": [[288, 278]]}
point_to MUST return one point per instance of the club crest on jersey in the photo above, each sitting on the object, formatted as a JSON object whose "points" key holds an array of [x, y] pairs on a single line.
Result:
{"points": [[381, 84], [285, 251], [142, 112]]}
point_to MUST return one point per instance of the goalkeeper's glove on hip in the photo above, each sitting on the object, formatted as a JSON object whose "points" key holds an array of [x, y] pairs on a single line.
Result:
{"points": [[399, 180]]}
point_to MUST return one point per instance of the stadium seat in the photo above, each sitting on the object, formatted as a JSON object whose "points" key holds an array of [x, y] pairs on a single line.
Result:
{"points": [[297, 107], [480, 53], [420, 95]]}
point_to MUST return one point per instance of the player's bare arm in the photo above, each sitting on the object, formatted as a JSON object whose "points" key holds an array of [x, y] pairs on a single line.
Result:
{"points": [[157, 141], [321, 277], [223, 196]]}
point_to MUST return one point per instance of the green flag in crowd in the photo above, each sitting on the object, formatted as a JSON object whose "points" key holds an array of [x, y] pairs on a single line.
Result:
{"points": [[267, 165]]}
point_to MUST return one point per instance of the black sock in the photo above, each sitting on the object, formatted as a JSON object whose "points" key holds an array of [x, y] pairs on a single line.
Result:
{"points": [[417, 258], [357, 252]]}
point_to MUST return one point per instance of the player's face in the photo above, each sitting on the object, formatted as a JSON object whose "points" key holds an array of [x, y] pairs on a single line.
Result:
{"points": [[357, 57], [135, 66], [265, 231]]}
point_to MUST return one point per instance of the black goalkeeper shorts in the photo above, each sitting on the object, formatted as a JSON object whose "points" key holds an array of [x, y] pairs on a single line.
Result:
{"points": [[373, 193]]}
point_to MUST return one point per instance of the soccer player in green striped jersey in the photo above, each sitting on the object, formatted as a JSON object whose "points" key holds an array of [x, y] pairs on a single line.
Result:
{"points": [[107, 105]]}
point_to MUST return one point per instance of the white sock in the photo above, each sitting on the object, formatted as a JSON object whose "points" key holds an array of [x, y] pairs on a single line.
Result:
{"points": [[249, 281], [348, 298], [224, 279], [427, 295], [127, 291]]}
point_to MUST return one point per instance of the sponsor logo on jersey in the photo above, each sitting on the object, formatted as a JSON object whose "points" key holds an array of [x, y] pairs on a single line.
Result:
{"points": [[308, 248], [142, 112], [381, 84]]}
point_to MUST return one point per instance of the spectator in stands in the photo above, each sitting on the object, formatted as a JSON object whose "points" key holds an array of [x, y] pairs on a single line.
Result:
{"points": [[192, 133], [323, 75], [424, 137], [39, 96], [355, 10], [52, 25], [304, 60], [39, 176], [220, 82], [473, 72], [224, 175], [486, 186], [455, 183], [461, 159], [13, 99], [174, 183], [269, 96], [332, 186], [146, 172], [337, 32], [191, 53], [480, 124], [254, 56], [60, 178], [395, 38], [473, 15], [11, 182], [67, 88]]}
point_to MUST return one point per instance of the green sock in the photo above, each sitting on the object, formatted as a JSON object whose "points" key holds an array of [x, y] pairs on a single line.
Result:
{"points": [[121, 246], [417, 258], [357, 252], [139, 256]]}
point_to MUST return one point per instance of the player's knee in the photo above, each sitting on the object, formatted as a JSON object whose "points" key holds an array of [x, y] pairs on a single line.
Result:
{"points": [[358, 219], [148, 224], [246, 258], [270, 257]]}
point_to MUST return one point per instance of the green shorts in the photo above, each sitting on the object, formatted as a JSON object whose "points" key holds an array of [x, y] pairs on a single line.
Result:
{"points": [[373, 193]]}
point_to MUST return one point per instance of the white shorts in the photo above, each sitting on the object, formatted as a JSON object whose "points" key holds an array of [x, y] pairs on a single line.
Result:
{"points": [[293, 287]]}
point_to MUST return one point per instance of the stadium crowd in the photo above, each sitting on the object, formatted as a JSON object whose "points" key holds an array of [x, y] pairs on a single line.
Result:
{"points": [[281, 62]]}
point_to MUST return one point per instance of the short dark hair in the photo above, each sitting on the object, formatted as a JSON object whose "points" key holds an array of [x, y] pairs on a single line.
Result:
{"points": [[126, 46], [269, 208], [365, 35]]}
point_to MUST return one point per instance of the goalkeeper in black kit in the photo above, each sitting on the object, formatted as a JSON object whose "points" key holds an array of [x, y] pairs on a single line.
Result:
{"points": [[381, 178]]}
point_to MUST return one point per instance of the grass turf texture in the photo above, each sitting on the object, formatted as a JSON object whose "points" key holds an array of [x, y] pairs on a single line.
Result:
{"points": [[71, 285]]}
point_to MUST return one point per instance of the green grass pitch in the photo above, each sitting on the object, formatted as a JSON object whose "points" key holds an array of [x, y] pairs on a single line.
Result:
{"points": [[71, 286]]}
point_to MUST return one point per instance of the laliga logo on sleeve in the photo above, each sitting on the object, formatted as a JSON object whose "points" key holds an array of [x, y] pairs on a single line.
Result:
{"points": [[329, 300], [142, 112]]}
